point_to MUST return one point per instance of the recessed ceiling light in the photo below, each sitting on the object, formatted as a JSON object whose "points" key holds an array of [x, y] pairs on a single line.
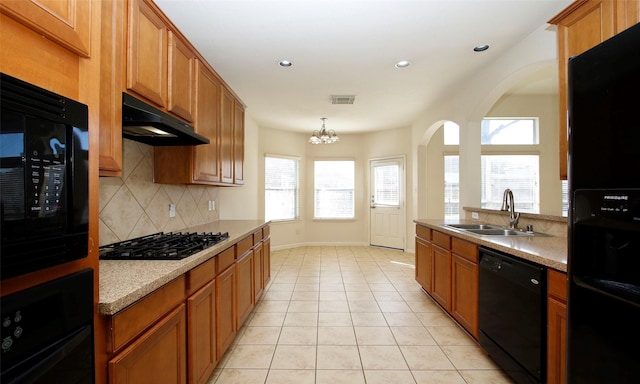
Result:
{"points": [[402, 64], [481, 48], [285, 63]]}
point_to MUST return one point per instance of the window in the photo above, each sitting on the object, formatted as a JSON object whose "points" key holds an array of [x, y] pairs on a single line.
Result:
{"points": [[334, 189], [565, 198], [451, 133], [281, 189], [451, 186], [517, 172], [387, 185], [501, 169], [502, 131]]}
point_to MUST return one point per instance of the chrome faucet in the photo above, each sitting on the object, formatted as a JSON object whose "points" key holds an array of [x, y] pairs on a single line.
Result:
{"points": [[509, 205]]}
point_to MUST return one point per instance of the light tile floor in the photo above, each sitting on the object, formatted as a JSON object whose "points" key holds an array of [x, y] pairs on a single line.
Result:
{"points": [[350, 315]]}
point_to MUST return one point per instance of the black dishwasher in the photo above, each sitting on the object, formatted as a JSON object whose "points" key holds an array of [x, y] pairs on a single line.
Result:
{"points": [[512, 314]]}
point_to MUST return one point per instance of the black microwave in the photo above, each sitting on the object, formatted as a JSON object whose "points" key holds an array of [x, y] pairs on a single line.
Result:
{"points": [[44, 173]]}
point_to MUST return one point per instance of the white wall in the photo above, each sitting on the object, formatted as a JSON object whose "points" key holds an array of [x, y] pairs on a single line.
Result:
{"points": [[546, 108], [360, 148], [466, 105], [237, 203]]}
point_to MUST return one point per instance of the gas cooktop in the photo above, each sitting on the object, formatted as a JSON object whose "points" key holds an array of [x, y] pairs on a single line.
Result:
{"points": [[161, 246]]}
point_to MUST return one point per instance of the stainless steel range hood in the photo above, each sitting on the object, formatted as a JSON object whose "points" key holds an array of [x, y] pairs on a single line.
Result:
{"points": [[146, 124]]}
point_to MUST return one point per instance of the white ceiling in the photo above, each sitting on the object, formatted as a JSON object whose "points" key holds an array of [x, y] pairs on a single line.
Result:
{"points": [[345, 47]]}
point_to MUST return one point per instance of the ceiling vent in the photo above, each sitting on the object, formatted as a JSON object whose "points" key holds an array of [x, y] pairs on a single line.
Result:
{"points": [[343, 99]]}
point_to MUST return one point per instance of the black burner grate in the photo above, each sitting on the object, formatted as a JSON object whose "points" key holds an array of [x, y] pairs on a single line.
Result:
{"points": [[161, 246]]}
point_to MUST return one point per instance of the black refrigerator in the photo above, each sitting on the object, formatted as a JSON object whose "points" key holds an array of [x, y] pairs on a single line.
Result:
{"points": [[603, 325]]}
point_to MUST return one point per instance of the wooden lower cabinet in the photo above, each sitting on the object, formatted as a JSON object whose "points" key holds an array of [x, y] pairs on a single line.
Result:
{"points": [[464, 284], [225, 310], [423, 264], [201, 333], [447, 269], [179, 332], [441, 259], [158, 356], [244, 291], [464, 293], [258, 271], [556, 327], [266, 259]]}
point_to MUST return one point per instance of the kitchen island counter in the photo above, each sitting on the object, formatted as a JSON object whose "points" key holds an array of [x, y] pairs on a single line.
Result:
{"points": [[123, 282], [550, 251]]}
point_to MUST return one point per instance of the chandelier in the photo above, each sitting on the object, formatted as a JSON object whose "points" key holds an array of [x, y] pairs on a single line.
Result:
{"points": [[324, 136]]}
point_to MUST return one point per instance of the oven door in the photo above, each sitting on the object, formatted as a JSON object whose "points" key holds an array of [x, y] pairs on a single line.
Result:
{"points": [[47, 332], [68, 361]]}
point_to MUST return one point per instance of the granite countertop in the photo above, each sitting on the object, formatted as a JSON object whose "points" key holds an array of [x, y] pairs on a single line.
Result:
{"points": [[122, 282], [550, 251]]}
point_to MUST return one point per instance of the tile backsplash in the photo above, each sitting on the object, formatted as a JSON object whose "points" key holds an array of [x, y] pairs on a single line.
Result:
{"points": [[133, 205]]}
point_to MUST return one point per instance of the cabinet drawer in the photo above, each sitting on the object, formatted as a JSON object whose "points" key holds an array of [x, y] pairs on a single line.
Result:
{"points": [[423, 232], [266, 231], [441, 239], [225, 258], [201, 275], [557, 284], [133, 320], [243, 246], [257, 236], [465, 249], [159, 356]]}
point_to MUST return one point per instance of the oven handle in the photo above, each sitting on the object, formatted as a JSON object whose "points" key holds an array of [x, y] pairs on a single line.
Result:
{"points": [[41, 362]]}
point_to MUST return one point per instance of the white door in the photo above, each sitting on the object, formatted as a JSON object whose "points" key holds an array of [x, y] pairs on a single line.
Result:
{"points": [[387, 210]]}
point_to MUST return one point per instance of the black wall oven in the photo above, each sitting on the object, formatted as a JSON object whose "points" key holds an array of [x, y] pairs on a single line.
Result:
{"points": [[43, 178], [604, 215], [47, 332]]}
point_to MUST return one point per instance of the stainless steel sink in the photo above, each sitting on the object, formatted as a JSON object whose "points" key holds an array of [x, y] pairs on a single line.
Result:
{"points": [[469, 227], [493, 230], [500, 232]]}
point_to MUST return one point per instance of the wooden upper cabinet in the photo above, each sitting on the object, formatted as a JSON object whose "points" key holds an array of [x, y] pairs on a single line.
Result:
{"points": [[238, 143], [111, 77], [181, 77], [64, 21], [147, 53], [627, 14], [581, 26], [198, 164], [226, 131], [207, 157]]}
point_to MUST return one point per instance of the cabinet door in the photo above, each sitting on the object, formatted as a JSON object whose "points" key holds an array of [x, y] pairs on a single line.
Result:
{"points": [[258, 266], [111, 76], [147, 53], [201, 333], [464, 293], [266, 261], [556, 326], [67, 22], [238, 143], [244, 290], [207, 157], [226, 133], [157, 357], [423, 264], [580, 27], [181, 77], [556, 341], [441, 276], [627, 14], [225, 310]]}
